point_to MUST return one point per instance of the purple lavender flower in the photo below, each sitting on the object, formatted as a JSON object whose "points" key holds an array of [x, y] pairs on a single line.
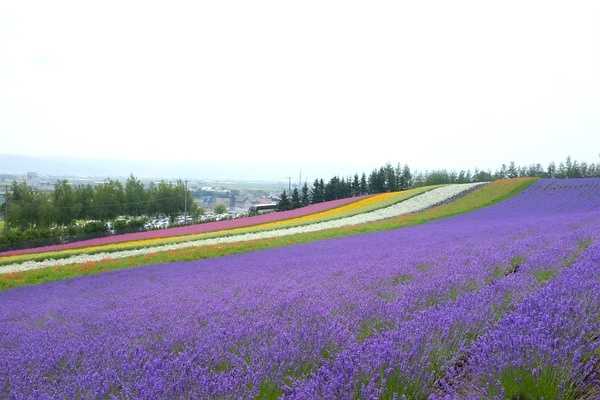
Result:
{"points": [[458, 308]]}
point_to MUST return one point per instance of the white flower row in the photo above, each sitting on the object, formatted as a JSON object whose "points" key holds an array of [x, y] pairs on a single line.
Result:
{"points": [[417, 203]]}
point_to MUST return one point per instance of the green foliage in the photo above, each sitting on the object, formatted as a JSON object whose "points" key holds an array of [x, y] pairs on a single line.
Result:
{"points": [[284, 202], [582, 246], [299, 372], [132, 225], [28, 209], [109, 199], [497, 273], [66, 204], [544, 275], [94, 227], [222, 366], [328, 351], [136, 197], [548, 383], [39, 236], [372, 326], [268, 391], [398, 386], [401, 279], [499, 310], [220, 209], [515, 263], [305, 200], [296, 203]]}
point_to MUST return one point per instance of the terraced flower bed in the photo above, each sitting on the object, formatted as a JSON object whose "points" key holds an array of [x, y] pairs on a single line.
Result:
{"points": [[415, 203], [190, 229], [484, 196], [361, 205], [490, 304]]}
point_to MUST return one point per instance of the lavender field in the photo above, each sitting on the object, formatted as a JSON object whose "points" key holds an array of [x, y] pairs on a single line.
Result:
{"points": [[499, 303]]}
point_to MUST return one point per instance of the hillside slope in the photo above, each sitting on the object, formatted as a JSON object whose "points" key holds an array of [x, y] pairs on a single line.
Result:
{"points": [[501, 302], [29, 272]]}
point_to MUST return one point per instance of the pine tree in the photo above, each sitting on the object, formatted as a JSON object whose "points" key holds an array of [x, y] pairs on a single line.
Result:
{"points": [[363, 184], [322, 189], [406, 177], [315, 193], [305, 200], [551, 170], [512, 170], [284, 202], [355, 185], [296, 199], [389, 181], [373, 182], [135, 196]]}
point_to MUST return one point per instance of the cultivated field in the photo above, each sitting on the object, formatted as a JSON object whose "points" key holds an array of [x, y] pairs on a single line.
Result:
{"points": [[319, 212], [496, 302]]}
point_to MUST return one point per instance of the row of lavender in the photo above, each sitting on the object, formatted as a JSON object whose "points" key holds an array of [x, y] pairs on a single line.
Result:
{"points": [[485, 305]]}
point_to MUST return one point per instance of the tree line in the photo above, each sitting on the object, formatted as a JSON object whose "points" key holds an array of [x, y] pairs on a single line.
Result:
{"points": [[390, 179], [26, 208]]}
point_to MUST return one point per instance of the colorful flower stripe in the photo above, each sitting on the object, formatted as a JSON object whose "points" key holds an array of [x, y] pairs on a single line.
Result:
{"points": [[383, 315], [372, 203], [190, 229], [413, 204], [362, 205]]}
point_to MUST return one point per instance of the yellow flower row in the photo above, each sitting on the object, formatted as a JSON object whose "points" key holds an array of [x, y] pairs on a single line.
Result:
{"points": [[358, 207]]}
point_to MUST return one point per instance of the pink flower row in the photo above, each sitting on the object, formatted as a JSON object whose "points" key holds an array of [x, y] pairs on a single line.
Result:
{"points": [[189, 229]]}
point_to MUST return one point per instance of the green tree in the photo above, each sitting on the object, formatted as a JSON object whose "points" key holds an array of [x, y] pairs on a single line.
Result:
{"points": [[164, 199], [364, 188], [407, 178], [28, 208], [84, 196], [109, 199], [196, 212], [136, 198], [296, 202], [316, 196], [220, 209], [512, 171], [66, 205], [355, 185], [305, 200], [284, 202], [389, 174]]}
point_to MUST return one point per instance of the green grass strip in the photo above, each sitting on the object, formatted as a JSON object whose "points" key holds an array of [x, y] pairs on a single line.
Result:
{"points": [[486, 195]]}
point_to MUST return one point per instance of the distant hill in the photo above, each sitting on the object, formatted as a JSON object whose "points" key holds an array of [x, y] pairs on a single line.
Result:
{"points": [[210, 170]]}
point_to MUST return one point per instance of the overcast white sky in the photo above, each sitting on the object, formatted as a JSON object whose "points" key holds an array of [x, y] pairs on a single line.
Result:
{"points": [[431, 83]]}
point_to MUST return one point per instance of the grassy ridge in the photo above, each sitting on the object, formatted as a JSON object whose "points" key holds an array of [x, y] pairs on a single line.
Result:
{"points": [[370, 203], [485, 196]]}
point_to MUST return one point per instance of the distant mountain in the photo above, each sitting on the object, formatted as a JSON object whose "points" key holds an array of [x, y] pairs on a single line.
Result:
{"points": [[210, 170]]}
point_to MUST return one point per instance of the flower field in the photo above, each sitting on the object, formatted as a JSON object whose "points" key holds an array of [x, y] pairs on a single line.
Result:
{"points": [[499, 303], [484, 196], [190, 229], [360, 205], [415, 203]]}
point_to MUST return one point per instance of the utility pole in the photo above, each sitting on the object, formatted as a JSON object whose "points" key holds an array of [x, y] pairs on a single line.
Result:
{"points": [[185, 202], [289, 184]]}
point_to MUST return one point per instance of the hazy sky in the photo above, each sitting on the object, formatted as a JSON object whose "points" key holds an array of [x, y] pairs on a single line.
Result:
{"points": [[431, 83]]}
